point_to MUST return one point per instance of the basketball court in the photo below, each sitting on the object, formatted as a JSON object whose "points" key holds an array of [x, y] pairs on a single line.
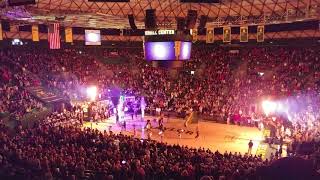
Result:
{"points": [[215, 136]]}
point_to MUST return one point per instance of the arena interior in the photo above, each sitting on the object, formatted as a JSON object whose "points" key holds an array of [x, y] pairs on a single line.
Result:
{"points": [[160, 90]]}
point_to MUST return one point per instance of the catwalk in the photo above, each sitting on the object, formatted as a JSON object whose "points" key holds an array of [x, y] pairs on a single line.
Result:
{"points": [[215, 136]]}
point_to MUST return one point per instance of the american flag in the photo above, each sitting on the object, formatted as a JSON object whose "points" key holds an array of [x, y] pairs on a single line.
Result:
{"points": [[54, 36]]}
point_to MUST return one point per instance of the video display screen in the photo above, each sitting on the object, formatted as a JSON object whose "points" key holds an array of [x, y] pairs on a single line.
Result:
{"points": [[185, 50], [159, 51], [92, 37]]}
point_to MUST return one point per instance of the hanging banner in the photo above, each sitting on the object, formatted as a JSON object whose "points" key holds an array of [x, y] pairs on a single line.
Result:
{"points": [[54, 36], [1, 35], [226, 34], [260, 33], [210, 36], [244, 34], [194, 33], [35, 33], [68, 33]]}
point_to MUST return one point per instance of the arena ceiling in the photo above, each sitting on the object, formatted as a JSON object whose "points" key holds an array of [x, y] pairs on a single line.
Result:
{"points": [[81, 13]]}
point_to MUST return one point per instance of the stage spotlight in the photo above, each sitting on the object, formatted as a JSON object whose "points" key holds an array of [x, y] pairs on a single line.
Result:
{"points": [[280, 107], [268, 107], [92, 93]]}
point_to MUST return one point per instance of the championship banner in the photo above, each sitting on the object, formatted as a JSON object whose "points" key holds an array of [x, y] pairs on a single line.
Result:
{"points": [[177, 46], [68, 33], [210, 36], [194, 33], [226, 34], [35, 33], [260, 33], [244, 34], [1, 35]]}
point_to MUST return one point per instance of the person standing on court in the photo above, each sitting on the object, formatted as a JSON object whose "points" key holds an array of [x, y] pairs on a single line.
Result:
{"points": [[250, 145], [197, 132]]}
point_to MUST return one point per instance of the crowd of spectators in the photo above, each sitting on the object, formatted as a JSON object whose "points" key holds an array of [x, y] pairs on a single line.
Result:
{"points": [[216, 87], [14, 98], [64, 119], [215, 82], [72, 153]]}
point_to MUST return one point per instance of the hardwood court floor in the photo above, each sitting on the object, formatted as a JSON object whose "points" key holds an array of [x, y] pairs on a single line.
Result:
{"points": [[215, 136]]}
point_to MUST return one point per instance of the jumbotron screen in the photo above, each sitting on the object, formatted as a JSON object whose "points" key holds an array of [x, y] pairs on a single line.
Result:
{"points": [[165, 51], [92, 37], [159, 51], [185, 50]]}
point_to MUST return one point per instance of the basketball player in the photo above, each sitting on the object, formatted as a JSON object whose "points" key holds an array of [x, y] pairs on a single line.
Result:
{"points": [[160, 123], [148, 128], [180, 131], [197, 132]]}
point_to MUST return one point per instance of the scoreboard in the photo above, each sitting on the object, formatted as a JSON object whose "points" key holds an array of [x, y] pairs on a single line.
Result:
{"points": [[167, 45]]}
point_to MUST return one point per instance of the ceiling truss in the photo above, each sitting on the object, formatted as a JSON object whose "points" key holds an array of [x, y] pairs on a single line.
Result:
{"points": [[114, 15]]}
